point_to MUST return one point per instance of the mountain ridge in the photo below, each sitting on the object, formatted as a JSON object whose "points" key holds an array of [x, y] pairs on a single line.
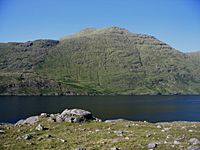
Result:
{"points": [[99, 61]]}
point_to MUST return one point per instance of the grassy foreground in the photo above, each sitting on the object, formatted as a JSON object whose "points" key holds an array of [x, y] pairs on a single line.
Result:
{"points": [[100, 135]]}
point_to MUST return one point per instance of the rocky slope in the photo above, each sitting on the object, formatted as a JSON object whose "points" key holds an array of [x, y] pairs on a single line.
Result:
{"points": [[79, 130], [98, 61]]}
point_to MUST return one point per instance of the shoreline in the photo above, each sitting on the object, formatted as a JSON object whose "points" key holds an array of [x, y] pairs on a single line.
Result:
{"points": [[23, 95], [124, 120], [77, 129]]}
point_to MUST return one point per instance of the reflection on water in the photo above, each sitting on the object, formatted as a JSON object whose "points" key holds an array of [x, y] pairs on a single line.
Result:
{"points": [[149, 108]]}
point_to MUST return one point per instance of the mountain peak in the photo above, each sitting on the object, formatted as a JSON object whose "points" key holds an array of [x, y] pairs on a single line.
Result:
{"points": [[113, 29], [116, 30], [96, 31]]}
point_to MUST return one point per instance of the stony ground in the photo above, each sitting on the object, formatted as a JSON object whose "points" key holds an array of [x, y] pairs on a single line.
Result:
{"points": [[111, 135]]}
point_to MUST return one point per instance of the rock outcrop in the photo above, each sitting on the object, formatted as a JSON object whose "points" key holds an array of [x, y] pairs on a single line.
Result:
{"points": [[68, 115], [75, 115], [29, 120]]}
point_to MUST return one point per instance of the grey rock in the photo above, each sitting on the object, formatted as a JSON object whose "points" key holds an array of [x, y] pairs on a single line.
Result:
{"points": [[190, 130], [166, 129], [39, 127], [52, 115], [30, 120], [78, 119], [62, 140], [98, 120], [177, 142], [48, 136], [97, 130], [18, 138], [20, 122], [51, 120], [25, 137], [75, 115], [44, 115], [119, 132], [77, 112], [30, 143], [193, 148], [59, 119], [152, 145], [169, 136], [127, 138], [194, 141], [69, 119], [148, 135], [18, 131], [158, 126], [2, 131], [159, 143], [34, 133]]}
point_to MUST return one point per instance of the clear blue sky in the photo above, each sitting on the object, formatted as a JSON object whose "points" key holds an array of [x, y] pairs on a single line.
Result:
{"points": [[176, 22]]}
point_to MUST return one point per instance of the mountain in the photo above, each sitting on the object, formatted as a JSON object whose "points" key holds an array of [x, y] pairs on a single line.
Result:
{"points": [[97, 61]]}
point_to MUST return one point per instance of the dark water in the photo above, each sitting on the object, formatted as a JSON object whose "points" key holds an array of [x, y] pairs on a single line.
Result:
{"points": [[149, 108]]}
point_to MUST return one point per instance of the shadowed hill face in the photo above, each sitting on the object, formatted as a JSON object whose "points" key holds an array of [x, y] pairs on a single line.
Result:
{"points": [[24, 55], [111, 61]]}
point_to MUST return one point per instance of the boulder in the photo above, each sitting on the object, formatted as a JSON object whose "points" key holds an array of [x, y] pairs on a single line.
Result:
{"points": [[78, 119], [51, 119], [75, 115], [39, 127], [20, 122], [2, 131], [152, 145], [194, 141], [68, 115], [25, 137], [30, 120], [59, 118], [193, 148], [177, 142], [69, 119], [44, 115]]}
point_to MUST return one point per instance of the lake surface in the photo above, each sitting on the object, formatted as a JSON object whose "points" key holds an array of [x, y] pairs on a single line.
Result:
{"points": [[138, 108]]}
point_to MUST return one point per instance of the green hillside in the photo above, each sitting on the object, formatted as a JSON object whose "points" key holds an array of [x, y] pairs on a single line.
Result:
{"points": [[97, 61]]}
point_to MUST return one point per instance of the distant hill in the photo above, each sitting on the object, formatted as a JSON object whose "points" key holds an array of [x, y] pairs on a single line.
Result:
{"points": [[97, 61]]}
